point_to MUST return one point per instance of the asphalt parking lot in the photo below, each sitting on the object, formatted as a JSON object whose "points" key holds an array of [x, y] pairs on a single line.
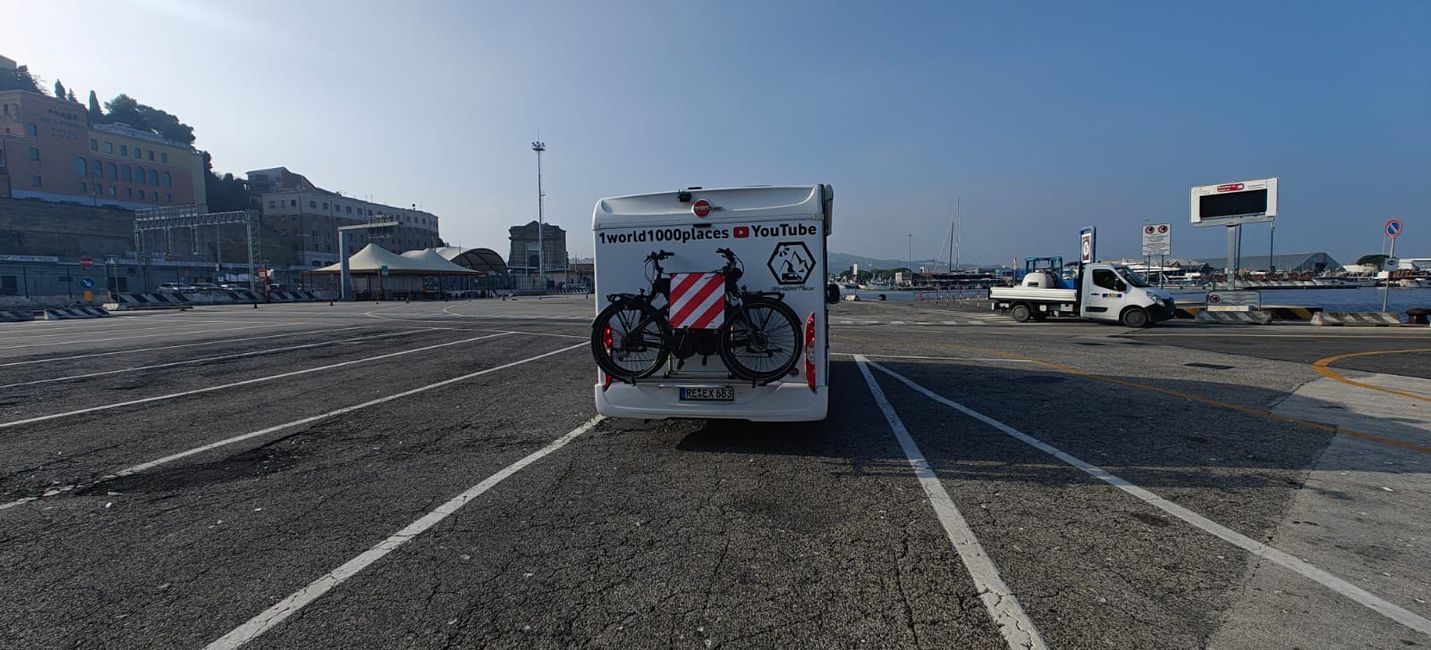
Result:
{"points": [[432, 475]]}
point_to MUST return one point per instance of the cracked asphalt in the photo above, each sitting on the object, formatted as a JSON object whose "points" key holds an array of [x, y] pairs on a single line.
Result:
{"points": [[690, 533]]}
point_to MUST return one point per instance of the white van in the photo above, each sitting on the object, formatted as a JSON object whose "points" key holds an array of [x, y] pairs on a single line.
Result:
{"points": [[712, 304]]}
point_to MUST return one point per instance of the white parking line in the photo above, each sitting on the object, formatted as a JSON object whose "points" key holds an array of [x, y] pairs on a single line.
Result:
{"points": [[287, 425], [923, 358], [144, 336], [181, 345], [110, 327], [274, 615], [1306, 569], [246, 382], [1013, 623], [238, 355]]}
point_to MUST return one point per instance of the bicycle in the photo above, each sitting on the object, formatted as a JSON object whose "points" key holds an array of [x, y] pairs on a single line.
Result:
{"points": [[759, 340]]}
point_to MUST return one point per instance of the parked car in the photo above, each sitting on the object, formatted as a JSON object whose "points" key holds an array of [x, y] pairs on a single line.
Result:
{"points": [[173, 287]]}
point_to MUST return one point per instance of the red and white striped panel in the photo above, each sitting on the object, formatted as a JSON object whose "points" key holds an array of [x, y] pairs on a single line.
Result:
{"points": [[697, 300]]}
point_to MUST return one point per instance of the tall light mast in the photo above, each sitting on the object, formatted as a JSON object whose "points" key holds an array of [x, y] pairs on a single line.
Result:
{"points": [[539, 147]]}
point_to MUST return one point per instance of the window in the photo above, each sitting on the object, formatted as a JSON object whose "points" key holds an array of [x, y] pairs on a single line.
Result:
{"points": [[84, 187], [350, 209], [124, 150], [109, 147], [151, 155], [325, 205], [154, 178], [34, 153], [138, 153], [93, 144], [168, 180], [1106, 279], [110, 190], [35, 180], [312, 204], [129, 192], [96, 168], [98, 188], [31, 128], [125, 175], [112, 171], [9, 285], [164, 158], [141, 194], [81, 166], [293, 203], [139, 176]]}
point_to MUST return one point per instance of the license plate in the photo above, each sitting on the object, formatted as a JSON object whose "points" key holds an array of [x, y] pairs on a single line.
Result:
{"points": [[707, 394]]}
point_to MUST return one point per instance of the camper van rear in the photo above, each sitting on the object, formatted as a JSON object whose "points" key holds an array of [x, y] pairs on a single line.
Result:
{"points": [[712, 303]]}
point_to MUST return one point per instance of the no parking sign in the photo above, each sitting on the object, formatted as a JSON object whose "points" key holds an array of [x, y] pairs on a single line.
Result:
{"points": [[1392, 228]]}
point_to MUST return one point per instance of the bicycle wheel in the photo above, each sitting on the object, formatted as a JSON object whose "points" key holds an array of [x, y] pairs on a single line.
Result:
{"points": [[764, 344], [628, 340]]}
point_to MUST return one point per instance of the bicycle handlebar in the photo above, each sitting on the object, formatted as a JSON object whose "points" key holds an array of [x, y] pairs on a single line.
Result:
{"points": [[659, 255]]}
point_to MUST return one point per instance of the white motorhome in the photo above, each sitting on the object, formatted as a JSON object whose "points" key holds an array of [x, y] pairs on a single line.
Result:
{"points": [[711, 303]]}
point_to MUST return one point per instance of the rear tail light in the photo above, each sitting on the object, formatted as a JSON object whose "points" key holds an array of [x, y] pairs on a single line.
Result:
{"points": [[606, 338], [810, 352]]}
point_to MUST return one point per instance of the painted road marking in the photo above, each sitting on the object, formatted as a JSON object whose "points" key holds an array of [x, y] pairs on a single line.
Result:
{"points": [[1323, 366], [181, 345], [145, 336], [274, 615], [246, 382], [1306, 569], [1014, 624], [218, 358], [924, 358], [287, 425], [1248, 410]]}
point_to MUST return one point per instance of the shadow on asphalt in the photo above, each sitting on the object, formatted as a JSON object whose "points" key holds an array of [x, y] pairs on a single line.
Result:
{"points": [[1151, 439]]}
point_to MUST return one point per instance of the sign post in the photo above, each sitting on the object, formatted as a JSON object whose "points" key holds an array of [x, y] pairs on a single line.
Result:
{"points": [[1392, 230], [1157, 241]]}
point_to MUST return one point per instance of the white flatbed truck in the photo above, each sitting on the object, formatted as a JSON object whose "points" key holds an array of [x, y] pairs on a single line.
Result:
{"points": [[1101, 292]]}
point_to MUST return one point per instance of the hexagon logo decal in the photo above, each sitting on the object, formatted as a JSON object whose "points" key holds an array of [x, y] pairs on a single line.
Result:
{"points": [[791, 263]]}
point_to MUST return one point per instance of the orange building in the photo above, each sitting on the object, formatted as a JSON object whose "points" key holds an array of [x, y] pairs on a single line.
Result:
{"points": [[49, 151]]}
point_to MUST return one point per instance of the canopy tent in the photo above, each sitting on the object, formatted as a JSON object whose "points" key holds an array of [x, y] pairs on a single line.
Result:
{"points": [[374, 257], [419, 273]]}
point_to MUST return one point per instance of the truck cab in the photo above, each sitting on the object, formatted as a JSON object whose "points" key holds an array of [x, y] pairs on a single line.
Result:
{"points": [[1102, 292]]}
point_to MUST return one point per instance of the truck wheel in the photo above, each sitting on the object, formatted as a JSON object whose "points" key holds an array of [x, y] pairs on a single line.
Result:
{"points": [[1022, 313], [1135, 317]]}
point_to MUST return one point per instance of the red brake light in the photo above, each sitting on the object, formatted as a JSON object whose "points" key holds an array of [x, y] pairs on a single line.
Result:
{"points": [[606, 338], [810, 351]]}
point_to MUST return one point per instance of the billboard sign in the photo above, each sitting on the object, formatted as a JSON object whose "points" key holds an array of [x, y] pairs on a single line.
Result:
{"points": [[1087, 245], [1157, 239], [1229, 204]]}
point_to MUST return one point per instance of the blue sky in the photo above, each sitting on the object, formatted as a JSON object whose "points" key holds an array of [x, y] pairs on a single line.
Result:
{"points": [[1042, 116]]}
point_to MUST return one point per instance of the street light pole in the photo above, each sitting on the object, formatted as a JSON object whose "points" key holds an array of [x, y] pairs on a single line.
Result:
{"points": [[539, 147]]}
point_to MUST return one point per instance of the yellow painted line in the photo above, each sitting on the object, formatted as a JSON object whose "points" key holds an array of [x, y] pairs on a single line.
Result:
{"points": [[1323, 366], [1227, 406]]}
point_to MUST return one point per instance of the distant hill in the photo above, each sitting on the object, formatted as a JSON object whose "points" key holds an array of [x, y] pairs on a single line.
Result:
{"points": [[840, 262]]}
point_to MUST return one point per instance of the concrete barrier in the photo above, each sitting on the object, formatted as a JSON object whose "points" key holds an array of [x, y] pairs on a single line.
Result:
{"points": [[72, 313], [1234, 317], [16, 315], [1356, 318]]}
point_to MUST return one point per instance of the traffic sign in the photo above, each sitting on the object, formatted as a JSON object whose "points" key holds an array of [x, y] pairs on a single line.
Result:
{"points": [[1234, 300], [87, 283], [1392, 228], [1157, 239], [86, 262], [383, 270]]}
